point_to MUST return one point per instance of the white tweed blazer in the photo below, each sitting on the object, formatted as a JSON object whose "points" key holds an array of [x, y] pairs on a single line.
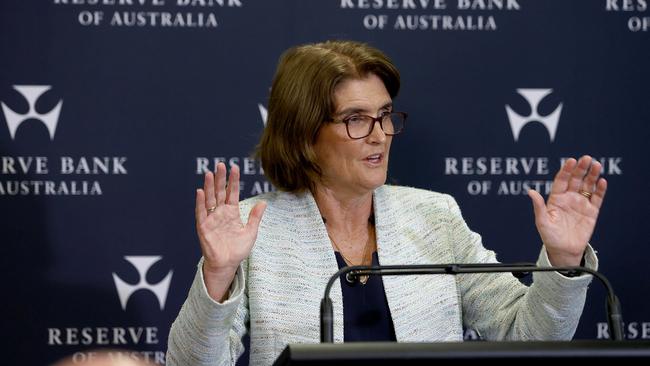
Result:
{"points": [[277, 291]]}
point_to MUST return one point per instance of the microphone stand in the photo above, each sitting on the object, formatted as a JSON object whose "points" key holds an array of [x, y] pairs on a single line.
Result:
{"points": [[614, 316]]}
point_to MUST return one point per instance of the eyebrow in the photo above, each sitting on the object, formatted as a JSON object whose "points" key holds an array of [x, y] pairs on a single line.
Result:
{"points": [[353, 110]]}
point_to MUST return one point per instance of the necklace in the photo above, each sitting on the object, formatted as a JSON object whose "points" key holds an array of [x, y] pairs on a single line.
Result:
{"points": [[362, 279]]}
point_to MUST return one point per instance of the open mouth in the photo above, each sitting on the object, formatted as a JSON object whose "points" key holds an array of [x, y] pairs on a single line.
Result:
{"points": [[375, 158]]}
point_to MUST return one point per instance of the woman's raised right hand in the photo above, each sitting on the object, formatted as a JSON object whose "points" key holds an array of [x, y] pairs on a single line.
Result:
{"points": [[225, 240]]}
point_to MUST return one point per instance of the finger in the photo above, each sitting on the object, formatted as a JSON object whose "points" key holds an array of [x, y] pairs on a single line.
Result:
{"points": [[220, 184], [589, 183], [232, 192], [208, 190], [538, 206], [255, 216], [598, 196], [199, 211], [561, 181], [578, 173]]}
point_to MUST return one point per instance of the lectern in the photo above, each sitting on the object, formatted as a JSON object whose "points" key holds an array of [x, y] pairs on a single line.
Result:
{"points": [[510, 353]]}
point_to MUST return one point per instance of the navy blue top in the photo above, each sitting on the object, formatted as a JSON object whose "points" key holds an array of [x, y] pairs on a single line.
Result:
{"points": [[365, 308]]}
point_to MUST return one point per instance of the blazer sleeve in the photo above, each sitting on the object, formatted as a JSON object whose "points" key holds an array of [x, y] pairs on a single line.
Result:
{"points": [[207, 332], [500, 307]]}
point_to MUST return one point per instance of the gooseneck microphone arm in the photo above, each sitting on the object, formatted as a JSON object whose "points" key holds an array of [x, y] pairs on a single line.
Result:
{"points": [[614, 316]]}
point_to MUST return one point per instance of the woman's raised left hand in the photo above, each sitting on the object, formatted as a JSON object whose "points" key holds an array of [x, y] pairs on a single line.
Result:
{"points": [[567, 220]]}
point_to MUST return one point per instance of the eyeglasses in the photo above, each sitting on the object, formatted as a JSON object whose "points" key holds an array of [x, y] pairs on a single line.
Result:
{"points": [[360, 126]]}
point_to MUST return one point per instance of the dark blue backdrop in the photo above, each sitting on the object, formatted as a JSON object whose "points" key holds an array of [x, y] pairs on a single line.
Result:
{"points": [[150, 92]]}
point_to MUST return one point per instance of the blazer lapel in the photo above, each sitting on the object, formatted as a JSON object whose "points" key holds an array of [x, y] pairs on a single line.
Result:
{"points": [[320, 257], [422, 306]]}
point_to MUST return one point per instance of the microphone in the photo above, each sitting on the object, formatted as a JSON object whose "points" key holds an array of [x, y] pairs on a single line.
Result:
{"points": [[519, 270]]}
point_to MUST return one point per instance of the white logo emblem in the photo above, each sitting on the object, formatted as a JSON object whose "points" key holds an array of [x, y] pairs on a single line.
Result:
{"points": [[263, 113], [31, 93], [142, 265], [533, 97]]}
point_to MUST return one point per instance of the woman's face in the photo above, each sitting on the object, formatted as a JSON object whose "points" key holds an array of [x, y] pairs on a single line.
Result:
{"points": [[355, 166]]}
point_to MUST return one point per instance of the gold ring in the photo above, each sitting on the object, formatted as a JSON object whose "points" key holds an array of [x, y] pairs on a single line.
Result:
{"points": [[211, 209], [585, 193]]}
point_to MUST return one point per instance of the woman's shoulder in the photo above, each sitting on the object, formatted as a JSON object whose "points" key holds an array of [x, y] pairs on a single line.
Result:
{"points": [[416, 204], [414, 196], [278, 202], [274, 198]]}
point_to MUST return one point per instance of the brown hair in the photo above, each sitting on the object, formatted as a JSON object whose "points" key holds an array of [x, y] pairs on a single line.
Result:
{"points": [[302, 100]]}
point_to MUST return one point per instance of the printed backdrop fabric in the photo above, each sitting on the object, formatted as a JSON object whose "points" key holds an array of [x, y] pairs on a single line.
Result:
{"points": [[111, 110]]}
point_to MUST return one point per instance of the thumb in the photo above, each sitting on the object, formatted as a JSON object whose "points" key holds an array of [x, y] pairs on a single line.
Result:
{"points": [[255, 215], [538, 206]]}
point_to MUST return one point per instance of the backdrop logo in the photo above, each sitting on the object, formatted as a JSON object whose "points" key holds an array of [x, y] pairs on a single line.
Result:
{"points": [[51, 175], [31, 93], [138, 14], [427, 15], [264, 113], [142, 264], [127, 336], [514, 175], [534, 97]]}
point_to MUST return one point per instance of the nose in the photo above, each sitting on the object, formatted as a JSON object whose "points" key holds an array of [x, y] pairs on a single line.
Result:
{"points": [[377, 134]]}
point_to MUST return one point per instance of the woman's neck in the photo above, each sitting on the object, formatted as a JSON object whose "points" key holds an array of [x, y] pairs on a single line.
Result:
{"points": [[345, 214]]}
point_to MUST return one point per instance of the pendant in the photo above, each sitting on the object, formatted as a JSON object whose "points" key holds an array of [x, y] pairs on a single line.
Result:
{"points": [[363, 279]]}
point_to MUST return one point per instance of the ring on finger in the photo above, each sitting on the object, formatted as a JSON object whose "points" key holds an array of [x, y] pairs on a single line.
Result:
{"points": [[211, 209], [585, 193]]}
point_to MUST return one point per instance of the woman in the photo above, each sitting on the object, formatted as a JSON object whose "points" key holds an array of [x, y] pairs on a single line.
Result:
{"points": [[266, 260]]}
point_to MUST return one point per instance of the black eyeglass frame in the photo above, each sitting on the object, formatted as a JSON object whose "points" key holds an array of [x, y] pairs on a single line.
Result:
{"points": [[379, 119]]}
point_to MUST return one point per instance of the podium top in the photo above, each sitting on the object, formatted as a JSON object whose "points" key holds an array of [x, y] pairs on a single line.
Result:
{"points": [[385, 353]]}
